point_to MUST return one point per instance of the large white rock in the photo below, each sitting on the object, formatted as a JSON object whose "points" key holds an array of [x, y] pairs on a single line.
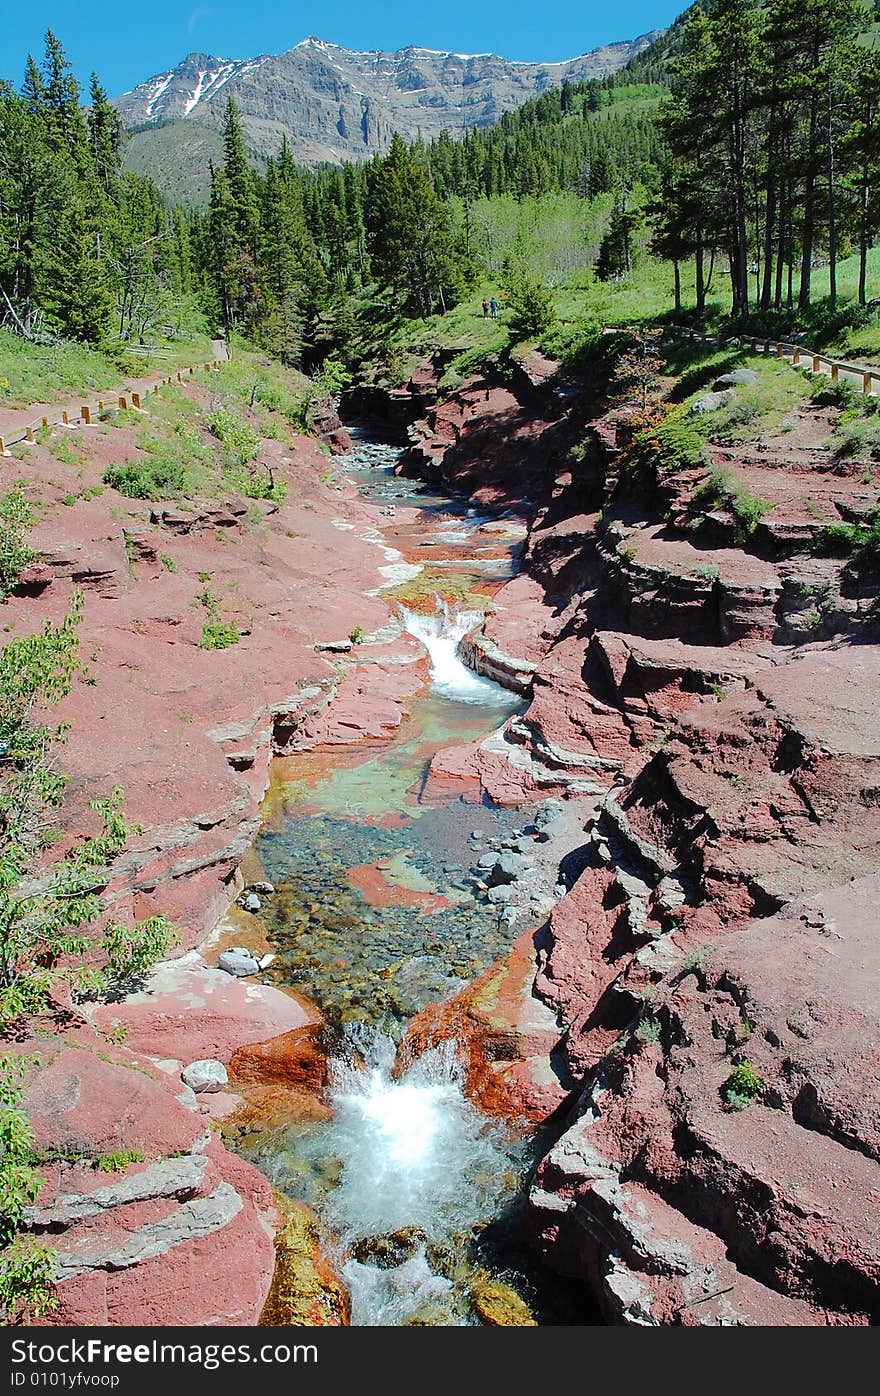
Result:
{"points": [[238, 961], [205, 1075]]}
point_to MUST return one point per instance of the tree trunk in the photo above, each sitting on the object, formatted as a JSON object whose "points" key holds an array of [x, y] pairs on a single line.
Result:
{"points": [[832, 209], [739, 263], [809, 197], [863, 236], [783, 250], [769, 229]]}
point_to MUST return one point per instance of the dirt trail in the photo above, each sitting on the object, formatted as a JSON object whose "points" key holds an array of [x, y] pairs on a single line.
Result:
{"points": [[14, 422]]}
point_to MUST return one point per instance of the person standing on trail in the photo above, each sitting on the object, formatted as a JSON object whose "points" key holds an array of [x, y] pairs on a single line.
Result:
{"points": [[485, 310], [493, 307]]}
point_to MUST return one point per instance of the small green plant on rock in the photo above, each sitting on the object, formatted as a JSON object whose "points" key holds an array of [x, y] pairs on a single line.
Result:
{"points": [[742, 1087], [15, 519], [648, 1029], [694, 960], [218, 635], [724, 490], [132, 950], [27, 1269], [119, 1161], [356, 635], [27, 1278]]}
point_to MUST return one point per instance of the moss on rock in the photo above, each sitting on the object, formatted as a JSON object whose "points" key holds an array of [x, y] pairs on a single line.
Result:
{"points": [[498, 1305], [306, 1291]]}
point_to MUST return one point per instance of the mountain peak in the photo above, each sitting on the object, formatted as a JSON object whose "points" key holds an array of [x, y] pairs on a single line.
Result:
{"points": [[334, 103]]}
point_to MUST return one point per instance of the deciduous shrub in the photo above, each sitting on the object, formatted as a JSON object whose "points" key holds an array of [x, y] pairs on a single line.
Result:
{"points": [[742, 1086], [15, 552]]}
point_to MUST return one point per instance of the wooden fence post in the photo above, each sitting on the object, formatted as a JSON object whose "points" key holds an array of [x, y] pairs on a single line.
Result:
{"points": [[2, 447], [866, 382], [123, 404], [136, 400], [86, 414], [835, 373], [29, 435], [65, 419], [796, 357], [815, 363]]}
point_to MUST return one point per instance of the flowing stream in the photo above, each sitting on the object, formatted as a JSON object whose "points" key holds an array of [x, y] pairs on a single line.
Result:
{"points": [[374, 918], [441, 633]]}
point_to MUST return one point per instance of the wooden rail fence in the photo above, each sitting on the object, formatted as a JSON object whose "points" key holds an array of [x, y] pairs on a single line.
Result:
{"points": [[83, 416], [799, 355]]}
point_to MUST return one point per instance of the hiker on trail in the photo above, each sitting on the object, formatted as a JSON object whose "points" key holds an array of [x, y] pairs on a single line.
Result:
{"points": [[485, 310], [493, 306]]}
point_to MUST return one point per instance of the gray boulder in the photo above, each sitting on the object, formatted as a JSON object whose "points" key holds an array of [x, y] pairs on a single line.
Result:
{"points": [[549, 819], [205, 1075], [709, 402], [508, 867], [548, 811], [734, 379], [500, 894], [251, 902], [239, 961]]}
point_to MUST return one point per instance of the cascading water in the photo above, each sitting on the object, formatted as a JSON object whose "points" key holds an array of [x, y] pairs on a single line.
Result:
{"points": [[374, 917], [416, 1157], [415, 1152], [441, 633]]}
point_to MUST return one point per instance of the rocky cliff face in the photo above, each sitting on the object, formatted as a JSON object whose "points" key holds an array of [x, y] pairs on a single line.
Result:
{"points": [[714, 962], [189, 734], [335, 104]]}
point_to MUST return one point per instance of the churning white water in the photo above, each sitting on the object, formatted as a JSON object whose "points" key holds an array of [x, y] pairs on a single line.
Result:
{"points": [[441, 633], [386, 1298], [415, 1154], [414, 1151]]}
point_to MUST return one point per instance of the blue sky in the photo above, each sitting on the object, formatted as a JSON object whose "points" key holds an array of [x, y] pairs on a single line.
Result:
{"points": [[126, 44]]}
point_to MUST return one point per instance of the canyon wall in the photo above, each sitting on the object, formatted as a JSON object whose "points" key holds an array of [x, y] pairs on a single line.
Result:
{"points": [[152, 1219], [708, 699], [695, 1021]]}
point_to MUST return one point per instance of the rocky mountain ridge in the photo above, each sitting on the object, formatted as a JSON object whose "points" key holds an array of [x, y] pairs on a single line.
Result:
{"points": [[334, 103]]}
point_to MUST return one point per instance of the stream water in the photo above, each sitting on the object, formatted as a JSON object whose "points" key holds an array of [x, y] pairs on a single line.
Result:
{"points": [[375, 917]]}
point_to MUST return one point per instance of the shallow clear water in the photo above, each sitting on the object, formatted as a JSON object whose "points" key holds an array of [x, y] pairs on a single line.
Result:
{"points": [[374, 918]]}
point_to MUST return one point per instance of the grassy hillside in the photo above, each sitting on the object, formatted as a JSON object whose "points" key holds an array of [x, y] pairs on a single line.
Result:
{"points": [[32, 373], [584, 305], [177, 156]]}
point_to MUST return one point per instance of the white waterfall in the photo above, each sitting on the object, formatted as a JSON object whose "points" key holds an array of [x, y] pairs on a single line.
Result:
{"points": [[414, 1153], [441, 633]]}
